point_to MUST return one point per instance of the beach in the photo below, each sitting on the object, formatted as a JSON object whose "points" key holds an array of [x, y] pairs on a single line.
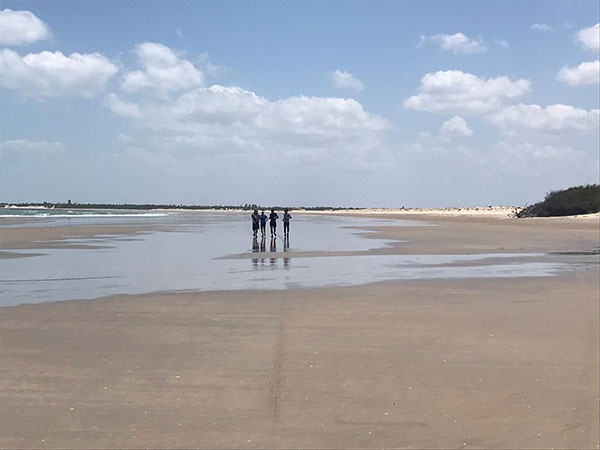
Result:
{"points": [[504, 362]]}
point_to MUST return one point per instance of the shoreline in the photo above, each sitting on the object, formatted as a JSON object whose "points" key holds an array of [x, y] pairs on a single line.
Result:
{"points": [[491, 211]]}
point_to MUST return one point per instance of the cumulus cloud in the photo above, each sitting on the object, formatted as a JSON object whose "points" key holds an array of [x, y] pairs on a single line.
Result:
{"points": [[584, 73], [457, 43], [220, 120], [21, 28], [502, 43], [52, 74], [343, 79], [221, 110], [552, 120], [590, 37], [163, 71], [541, 27], [457, 92], [456, 126]]}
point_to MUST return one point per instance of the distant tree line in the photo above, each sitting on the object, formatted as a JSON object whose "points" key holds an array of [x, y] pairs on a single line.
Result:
{"points": [[148, 206], [568, 202]]}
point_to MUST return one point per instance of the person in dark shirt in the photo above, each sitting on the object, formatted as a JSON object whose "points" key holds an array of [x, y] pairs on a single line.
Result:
{"points": [[263, 223], [255, 222], [286, 223], [273, 222]]}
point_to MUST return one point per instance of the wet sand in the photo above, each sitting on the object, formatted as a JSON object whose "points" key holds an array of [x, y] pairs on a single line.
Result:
{"points": [[40, 237], [487, 363]]}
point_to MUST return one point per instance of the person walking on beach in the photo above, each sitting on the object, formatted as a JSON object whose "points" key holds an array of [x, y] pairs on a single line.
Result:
{"points": [[273, 222], [255, 222], [263, 223], [286, 223]]}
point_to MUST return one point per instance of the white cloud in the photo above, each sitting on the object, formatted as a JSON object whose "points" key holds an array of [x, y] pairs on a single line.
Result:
{"points": [[457, 92], [23, 148], [231, 120], [584, 73], [553, 119], [456, 126], [21, 27], [457, 42], [163, 71], [590, 37], [122, 107], [502, 43], [541, 27], [343, 79], [53, 74]]}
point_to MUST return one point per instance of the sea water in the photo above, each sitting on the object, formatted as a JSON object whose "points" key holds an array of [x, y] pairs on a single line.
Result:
{"points": [[202, 251]]}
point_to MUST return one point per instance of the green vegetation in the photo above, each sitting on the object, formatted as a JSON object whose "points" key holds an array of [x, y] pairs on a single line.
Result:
{"points": [[568, 202]]}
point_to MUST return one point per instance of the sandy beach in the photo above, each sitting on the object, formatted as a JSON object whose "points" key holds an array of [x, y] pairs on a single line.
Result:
{"points": [[465, 363]]}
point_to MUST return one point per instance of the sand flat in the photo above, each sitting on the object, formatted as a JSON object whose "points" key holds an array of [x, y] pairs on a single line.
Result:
{"points": [[487, 363]]}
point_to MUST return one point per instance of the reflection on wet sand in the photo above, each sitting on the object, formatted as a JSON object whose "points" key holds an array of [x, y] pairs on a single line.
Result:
{"points": [[254, 250], [261, 248], [273, 249], [286, 249]]}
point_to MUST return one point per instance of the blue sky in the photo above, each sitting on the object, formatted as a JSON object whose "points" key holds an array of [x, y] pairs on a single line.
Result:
{"points": [[379, 103]]}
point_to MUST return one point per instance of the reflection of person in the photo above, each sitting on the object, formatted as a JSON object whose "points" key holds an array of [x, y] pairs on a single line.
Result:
{"points": [[273, 249], [273, 222], [286, 222], [254, 250], [263, 247], [255, 221], [263, 223]]}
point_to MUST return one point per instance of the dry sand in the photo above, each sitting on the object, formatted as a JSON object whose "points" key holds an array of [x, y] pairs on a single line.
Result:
{"points": [[488, 363]]}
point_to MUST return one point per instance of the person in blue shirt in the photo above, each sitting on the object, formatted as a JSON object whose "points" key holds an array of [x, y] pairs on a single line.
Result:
{"points": [[273, 222], [263, 223], [286, 223]]}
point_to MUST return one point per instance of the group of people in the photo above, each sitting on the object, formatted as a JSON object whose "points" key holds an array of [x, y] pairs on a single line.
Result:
{"points": [[259, 222]]}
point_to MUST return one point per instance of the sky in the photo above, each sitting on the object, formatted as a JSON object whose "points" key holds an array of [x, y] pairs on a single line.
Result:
{"points": [[301, 103]]}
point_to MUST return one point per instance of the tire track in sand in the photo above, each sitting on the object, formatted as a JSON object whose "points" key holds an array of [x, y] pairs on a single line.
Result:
{"points": [[276, 380]]}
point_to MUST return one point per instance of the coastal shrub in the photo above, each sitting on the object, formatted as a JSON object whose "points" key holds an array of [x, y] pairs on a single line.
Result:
{"points": [[568, 202]]}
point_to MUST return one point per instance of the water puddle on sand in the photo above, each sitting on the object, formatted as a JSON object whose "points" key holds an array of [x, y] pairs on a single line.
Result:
{"points": [[201, 252]]}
